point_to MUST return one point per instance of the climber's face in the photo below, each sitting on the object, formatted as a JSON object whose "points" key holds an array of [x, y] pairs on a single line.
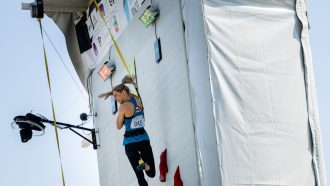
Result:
{"points": [[120, 97]]}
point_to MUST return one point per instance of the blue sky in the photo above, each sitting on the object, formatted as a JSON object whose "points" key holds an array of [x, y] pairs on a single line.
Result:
{"points": [[319, 17], [24, 88]]}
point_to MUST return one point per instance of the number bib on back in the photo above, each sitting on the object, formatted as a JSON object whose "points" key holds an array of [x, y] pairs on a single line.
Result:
{"points": [[137, 122], [134, 126]]}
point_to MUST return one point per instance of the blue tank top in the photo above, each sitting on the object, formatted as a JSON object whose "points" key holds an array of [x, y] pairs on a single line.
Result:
{"points": [[134, 126]]}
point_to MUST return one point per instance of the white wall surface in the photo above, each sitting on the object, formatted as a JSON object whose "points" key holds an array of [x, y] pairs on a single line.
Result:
{"points": [[164, 89]]}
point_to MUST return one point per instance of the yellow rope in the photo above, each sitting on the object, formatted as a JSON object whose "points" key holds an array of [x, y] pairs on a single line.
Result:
{"points": [[51, 97], [112, 38], [116, 46]]}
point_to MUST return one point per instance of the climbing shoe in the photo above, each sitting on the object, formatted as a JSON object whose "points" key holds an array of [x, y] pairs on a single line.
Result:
{"points": [[140, 167]]}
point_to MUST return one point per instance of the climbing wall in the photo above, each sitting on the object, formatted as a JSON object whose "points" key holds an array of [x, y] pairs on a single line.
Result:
{"points": [[164, 89], [233, 99]]}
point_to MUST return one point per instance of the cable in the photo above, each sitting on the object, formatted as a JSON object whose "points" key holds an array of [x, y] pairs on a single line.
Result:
{"points": [[69, 106], [84, 122], [61, 59], [44, 118], [81, 92], [156, 30], [90, 98], [152, 4], [111, 73]]}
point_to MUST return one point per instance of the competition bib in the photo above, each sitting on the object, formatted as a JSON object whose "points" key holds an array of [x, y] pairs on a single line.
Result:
{"points": [[137, 122]]}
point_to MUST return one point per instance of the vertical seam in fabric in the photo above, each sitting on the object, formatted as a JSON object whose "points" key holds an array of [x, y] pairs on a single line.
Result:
{"points": [[274, 126], [241, 99], [216, 125]]}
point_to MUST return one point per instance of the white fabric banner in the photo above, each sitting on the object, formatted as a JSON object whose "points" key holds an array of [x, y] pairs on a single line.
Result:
{"points": [[258, 88]]}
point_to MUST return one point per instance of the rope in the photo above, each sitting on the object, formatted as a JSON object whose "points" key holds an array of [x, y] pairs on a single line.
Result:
{"points": [[117, 48], [51, 97], [112, 38], [67, 69]]}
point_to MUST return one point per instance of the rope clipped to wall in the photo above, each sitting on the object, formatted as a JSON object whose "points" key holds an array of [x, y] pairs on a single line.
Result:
{"points": [[112, 38], [117, 47]]}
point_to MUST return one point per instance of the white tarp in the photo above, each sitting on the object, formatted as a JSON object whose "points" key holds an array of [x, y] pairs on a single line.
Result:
{"points": [[313, 116], [200, 90], [261, 107]]}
